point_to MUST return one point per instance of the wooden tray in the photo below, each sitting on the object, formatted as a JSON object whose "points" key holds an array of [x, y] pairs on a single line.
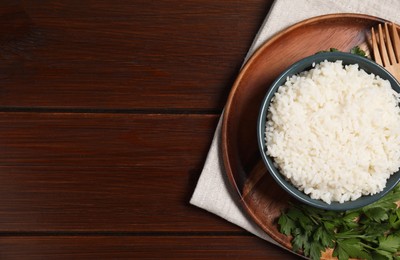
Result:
{"points": [[261, 197]]}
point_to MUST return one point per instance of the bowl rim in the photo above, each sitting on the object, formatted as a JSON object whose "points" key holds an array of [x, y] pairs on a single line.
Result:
{"points": [[295, 68]]}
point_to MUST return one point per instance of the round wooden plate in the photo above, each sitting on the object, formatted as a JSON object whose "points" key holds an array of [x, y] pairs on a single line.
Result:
{"points": [[261, 197]]}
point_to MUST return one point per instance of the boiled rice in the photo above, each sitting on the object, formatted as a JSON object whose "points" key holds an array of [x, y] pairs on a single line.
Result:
{"points": [[334, 132]]}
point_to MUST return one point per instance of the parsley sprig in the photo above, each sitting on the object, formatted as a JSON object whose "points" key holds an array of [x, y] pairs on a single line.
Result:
{"points": [[358, 51], [372, 232], [355, 50]]}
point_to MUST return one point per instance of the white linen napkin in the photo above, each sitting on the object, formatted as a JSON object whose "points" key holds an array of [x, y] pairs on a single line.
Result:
{"points": [[213, 191]]}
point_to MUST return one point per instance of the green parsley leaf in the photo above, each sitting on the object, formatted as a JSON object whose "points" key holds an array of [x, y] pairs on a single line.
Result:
{"points": [[358, 51], [353, 248], [355, 50], [329, 225], [375, 229], [340, 253], [394, 219], [324, 237], [299, 241], [330, 50], [381, 255], [315, 250], [387, 202], [286, 225], [350, 220], [351, 217], [389, 243], [377, 214]]}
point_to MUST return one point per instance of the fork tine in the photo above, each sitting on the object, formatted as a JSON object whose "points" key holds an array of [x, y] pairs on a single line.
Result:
{"points": [[375, 49], [396, 41], [389, 45], [382, 47]]}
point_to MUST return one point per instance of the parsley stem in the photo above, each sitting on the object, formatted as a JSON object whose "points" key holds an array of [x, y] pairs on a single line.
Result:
{"points": [[367, 246], [316, 222], [347, 236]]}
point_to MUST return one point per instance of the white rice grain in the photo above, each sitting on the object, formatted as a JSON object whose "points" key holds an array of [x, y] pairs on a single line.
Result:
{"points": [[334, 132]]}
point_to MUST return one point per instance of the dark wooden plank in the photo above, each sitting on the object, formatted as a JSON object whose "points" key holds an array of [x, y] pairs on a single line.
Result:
{"points": [[105, 140], [140, 54], [140, 247], [121, 199], [109, 172]]}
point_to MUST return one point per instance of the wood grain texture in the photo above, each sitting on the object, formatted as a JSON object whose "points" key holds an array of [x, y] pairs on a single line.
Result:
{"points": [[124, 54], [109, 172], [140, 247], [105, 140], [122, 199], [107, 111]]}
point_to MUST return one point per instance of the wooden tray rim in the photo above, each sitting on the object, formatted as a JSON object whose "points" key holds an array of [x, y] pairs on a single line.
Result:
{"points": [[256, 55]]}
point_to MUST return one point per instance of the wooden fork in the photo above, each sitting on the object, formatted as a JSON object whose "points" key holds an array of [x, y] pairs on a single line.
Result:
{"points": [[386, 48]]}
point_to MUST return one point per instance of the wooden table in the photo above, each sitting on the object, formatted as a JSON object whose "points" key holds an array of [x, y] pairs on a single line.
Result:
{"points": [[108, 109]]}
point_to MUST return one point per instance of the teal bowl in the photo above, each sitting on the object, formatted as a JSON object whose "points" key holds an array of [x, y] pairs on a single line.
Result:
{"points": [[304, 65]]}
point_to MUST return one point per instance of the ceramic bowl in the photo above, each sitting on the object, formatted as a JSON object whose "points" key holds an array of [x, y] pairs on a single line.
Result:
{"points": [[303, 65]]}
